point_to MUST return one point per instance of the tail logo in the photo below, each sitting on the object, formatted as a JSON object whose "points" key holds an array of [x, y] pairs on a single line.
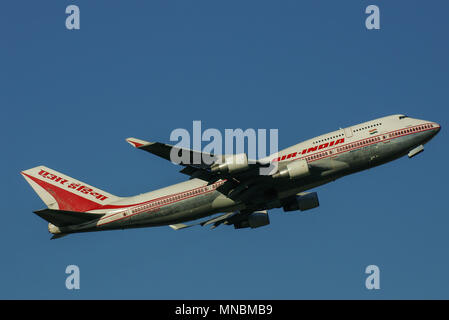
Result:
{"points": [[77, 186]]}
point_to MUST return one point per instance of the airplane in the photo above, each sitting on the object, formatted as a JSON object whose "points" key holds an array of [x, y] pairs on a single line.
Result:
{"points": [[234, 191]]}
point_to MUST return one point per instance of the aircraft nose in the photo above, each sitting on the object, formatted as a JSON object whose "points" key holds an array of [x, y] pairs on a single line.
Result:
{"points": [[437, 128]]}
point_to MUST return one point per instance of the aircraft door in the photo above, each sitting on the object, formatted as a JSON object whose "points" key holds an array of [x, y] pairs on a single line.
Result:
{"points": [[126, 217], [348, 132]]}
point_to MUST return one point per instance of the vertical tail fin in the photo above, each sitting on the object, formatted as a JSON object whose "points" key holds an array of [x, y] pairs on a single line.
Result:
{"points": [[62, 192]]}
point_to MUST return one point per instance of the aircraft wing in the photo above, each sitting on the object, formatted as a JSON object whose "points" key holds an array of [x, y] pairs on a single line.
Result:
{"points": [[246, 184], [197, 164], [226, 218], [165, 151], [218, 220]]}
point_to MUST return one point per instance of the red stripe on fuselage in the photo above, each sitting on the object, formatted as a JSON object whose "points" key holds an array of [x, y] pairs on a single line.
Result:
{"points": [[333, 151], [155, 208], [72, 202]]}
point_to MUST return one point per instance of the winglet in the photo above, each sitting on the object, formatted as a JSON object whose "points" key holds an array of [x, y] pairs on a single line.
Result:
{"points": [[137, 143]]}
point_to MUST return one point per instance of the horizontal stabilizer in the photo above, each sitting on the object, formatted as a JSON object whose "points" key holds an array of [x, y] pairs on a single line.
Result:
{"points": [[61, 218], [57, 236]]}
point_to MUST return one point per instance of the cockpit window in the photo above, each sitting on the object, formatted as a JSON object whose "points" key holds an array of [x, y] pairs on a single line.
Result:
{"points": [[402, 117]]}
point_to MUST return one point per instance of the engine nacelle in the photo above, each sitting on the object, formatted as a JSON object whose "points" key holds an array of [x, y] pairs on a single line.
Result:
{"points": [[302, 201], [255, 220], [232, 163], [294, 170]]}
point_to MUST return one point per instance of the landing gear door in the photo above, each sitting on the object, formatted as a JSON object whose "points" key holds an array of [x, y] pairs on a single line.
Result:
{"points": [[348, 132]]}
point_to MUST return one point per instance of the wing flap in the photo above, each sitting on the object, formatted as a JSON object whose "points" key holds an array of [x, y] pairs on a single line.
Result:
{"points": [[217, 220]]}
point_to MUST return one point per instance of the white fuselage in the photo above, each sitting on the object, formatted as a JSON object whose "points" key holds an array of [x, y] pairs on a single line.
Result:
{"points": [[338, 153]]}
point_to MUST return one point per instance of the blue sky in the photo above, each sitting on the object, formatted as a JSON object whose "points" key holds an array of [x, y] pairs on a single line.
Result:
{"points": [[144, 68]]}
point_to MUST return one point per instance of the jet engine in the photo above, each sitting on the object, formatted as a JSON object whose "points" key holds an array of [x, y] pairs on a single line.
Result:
{"points": [[302, 201], [255, 220], [294, 170], [232, 163]]}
